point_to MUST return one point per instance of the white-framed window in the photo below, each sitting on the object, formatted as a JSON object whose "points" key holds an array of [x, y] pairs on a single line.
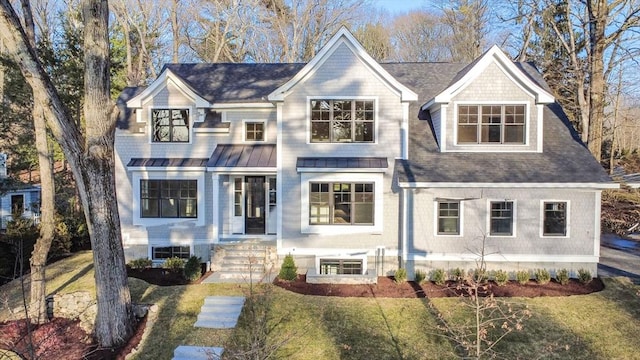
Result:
{"points": [[492, 124], [255, 130], [342, 120], [448, 217], [340, 266], [341, 203], [17, 204], [554, 218], [168, 198], [170, 125], [502, 218]]}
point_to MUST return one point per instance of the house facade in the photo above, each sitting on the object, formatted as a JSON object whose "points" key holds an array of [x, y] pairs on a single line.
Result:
{"points": [[357, 167]]}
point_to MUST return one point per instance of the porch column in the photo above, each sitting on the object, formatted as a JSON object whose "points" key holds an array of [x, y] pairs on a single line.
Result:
{"points": [[215, 212]]}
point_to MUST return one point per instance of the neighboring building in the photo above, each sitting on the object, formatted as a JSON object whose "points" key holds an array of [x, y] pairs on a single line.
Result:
{"points": [[358, 167], [17, 198]]}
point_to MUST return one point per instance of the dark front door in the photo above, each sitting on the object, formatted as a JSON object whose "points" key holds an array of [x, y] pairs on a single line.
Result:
{"points": [[255, 198]]}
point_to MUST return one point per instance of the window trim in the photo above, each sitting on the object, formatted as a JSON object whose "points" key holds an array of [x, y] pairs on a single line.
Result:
{"points": [[514, 218], [331, 192], [527, 123], [376, 118], [567, 219], [245, 122], [191, 114], [160, 197], [329, 229], [153, 247], [362, 258], [436, 217]]}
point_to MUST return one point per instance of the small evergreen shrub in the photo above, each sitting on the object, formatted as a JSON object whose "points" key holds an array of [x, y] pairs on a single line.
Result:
{"points": [[501, 277], [420, 276], [457, 274], [140, 264], [438, 276], [479, 275], [562, 276], [192, 269], [542, 276], [523, 276], [174, 264], [400, 276], [584, 276], [289, 270]]}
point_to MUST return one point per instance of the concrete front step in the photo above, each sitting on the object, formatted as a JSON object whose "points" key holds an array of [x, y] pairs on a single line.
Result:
{"points": [[224, 300], [255, 276], [216, 324], [184, 352], [220, 312]]}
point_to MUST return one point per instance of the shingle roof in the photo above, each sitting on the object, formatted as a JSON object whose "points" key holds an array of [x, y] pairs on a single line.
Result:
{"points": [[244, 156], [342, 162]]}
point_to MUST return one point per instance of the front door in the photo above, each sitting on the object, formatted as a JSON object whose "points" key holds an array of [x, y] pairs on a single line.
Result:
{"points": [[254, 205]]}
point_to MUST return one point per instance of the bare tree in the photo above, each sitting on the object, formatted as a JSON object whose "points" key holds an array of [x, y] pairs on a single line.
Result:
{"points": [[467, 22], [90, 156], [418, 36]]}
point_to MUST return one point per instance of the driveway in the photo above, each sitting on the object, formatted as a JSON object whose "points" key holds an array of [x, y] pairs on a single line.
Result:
{"points": [[619, 257]]}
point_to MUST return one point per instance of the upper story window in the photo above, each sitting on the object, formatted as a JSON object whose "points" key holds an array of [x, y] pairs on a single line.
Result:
{"points": [[501, 218], [555, 219], [169, 198], [341, 204], [170, 125], [491, 124], [254, 131], [342, 121]]}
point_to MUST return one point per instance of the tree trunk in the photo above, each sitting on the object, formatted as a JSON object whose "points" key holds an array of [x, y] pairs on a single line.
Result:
{"points": [[38, 261], [90, 158], [175, 30], [598, 14]]}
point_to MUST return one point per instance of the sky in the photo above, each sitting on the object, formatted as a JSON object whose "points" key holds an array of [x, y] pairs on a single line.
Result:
{"points": [[399, 6]]}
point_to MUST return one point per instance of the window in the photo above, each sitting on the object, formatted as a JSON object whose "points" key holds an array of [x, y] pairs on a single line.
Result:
{"points": [[254, 131], [448, 218], [491, 124], [501, 218], [555, 219], [340, 267], [237, 197], [342, 121], [167, 252], [170, 125], [341, 203], [168, 198], [17, 204]]}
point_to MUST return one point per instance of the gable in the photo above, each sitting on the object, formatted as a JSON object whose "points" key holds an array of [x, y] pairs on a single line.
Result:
{"points": [[168, 86], [342, 42]]}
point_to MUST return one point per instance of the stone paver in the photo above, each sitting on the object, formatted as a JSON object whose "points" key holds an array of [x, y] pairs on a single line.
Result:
{"points": [[220, 312], [183, 352]]}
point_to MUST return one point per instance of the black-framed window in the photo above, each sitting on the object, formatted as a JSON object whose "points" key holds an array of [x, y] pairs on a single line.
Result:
{"points": [[169, 198], [342, 120], [166, 252], [341, 203], [448, 218], [555, 218], [17, 204], [491, 124], [340, 267], [501, 218], [170, 125], [254, 131]]}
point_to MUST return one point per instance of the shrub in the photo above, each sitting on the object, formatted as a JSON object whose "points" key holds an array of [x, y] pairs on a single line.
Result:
{"points": [[400, 276], [140, 264], [438, 276], [523, 276], [562, 276], [542, 276], [289, 270], [420, 276], [479, 275], [457, 274], [192, 269], [174, 264], [584, 276], [501, 277]]}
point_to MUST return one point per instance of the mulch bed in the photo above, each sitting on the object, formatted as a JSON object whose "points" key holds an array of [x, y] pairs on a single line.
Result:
{"points": [[162, 277], [387, 287]]}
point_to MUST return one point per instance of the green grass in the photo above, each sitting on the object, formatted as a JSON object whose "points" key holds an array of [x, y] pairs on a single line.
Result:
{"points": [[602, 325]]}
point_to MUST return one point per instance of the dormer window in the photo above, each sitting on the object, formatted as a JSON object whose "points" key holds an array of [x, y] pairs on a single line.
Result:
{"points": [[340, 121], [170, 125], [491, 124]]}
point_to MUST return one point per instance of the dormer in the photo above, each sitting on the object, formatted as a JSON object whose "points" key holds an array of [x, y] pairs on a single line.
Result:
{"points": [[490, 106], [168, 109]]}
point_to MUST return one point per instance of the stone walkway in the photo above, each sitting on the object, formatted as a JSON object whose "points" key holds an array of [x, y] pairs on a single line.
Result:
{"points": [[217, 312]]}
